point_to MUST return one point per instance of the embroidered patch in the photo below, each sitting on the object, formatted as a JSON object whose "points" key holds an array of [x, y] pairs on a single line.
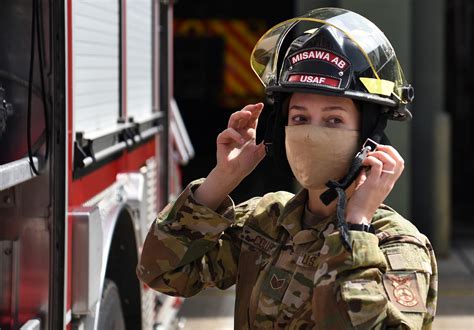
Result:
{"points": [[315, 79], [321, 55], [259, 241], [276, 283], [402, 290], [307, 260]]}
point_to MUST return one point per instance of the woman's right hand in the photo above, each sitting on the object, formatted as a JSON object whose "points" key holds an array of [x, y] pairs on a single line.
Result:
{"points": [[237, 152], [237, 156]]}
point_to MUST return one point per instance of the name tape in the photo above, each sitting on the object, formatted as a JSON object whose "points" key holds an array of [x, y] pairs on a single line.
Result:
{"points": [[259, 241]]}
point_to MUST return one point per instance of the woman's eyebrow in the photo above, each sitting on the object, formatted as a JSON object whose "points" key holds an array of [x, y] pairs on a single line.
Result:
{"points": [[328, 108], [334, 108], [298, 107]]}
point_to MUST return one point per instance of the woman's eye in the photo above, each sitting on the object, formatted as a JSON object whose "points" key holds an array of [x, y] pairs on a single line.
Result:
{"points": [[334, 121], [298, 119]]}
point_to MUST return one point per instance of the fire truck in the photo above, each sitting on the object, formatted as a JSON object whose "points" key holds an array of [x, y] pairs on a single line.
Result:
{"points": [[91, 140]]}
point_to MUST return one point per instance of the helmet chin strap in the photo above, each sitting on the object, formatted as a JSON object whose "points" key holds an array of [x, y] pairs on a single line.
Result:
{"points": [[337, 188]]}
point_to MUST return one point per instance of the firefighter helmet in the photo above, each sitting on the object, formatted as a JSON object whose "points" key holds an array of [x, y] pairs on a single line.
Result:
{"points": [[333, 51]]}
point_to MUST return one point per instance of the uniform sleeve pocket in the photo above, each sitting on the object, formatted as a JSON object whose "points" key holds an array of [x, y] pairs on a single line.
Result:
{"points": [[365, 302]]}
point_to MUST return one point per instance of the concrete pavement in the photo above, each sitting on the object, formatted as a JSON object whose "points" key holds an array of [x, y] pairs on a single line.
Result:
{"points": [[456, 288]]}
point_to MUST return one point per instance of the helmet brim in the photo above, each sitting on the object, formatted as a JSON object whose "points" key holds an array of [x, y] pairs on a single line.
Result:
{"points": [[397, 111]]}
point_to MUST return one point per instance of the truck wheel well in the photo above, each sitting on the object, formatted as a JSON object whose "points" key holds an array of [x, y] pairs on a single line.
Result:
{"points": [[123, 258]]}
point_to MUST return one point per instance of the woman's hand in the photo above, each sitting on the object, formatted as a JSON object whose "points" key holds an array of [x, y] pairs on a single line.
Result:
{"points": [[237, 152], [372, 187], [237, 156]]}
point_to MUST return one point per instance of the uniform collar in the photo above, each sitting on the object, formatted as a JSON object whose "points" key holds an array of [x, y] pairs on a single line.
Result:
{"points": [[290, 219]]}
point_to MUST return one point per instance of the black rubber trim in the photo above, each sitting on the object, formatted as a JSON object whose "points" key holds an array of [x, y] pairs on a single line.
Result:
{"points": [[57, 49]]}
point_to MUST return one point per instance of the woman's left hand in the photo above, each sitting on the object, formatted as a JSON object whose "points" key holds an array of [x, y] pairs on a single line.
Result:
{"points": [[372, 187]]}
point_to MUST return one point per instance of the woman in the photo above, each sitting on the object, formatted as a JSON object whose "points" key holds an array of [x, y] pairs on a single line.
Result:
{"points": [[333, 256]]}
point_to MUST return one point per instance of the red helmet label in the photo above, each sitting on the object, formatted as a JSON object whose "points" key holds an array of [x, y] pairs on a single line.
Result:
{"points": [[313, 79], [323, 55]]}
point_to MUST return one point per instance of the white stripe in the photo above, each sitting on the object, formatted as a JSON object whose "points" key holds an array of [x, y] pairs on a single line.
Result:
{"points": [[68, 317], [66, 164]]}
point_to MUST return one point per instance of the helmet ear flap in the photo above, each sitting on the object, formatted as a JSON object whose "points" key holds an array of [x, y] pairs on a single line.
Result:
{"points": [[373, 122], [269, 133], [275, 134]]}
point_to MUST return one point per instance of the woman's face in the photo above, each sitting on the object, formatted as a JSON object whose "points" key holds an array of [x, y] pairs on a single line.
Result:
{"points": [[323, 110]]}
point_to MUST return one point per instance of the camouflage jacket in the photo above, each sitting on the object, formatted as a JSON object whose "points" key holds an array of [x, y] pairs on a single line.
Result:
{"points": [[288, 277]]}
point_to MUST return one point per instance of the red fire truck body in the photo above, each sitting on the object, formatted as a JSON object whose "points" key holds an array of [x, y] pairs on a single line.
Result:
{"points": [[79, 192]]}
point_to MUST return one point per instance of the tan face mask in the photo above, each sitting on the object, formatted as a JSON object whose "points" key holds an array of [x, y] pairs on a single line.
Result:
{"points": [[318, 154]]}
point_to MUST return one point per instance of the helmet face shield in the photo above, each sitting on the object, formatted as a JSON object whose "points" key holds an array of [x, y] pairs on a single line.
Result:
{"points": [[324, 49]]}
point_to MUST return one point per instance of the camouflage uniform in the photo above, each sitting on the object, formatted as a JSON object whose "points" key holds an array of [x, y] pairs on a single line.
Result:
{"points": [[290, 277]]}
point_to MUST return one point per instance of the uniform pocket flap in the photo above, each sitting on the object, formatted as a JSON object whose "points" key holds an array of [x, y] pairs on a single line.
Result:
{"points": [[365, 300]]}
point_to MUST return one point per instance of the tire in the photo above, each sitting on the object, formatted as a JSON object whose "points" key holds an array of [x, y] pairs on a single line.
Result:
{"points": [[110, 312]]}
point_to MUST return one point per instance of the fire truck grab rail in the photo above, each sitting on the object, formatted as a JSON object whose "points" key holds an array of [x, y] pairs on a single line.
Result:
{"points": [[91, 149], [103, 154], [16, 172]]}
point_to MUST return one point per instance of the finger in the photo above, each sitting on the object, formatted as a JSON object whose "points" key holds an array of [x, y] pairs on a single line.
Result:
{"points": [[256, 110], [375, 165], [256, 149], [361, 178], [389, 164], [392, 152], [248, 133], [261, 151], [393, 169], [247, 117], [238, 119], [230, 135]]}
